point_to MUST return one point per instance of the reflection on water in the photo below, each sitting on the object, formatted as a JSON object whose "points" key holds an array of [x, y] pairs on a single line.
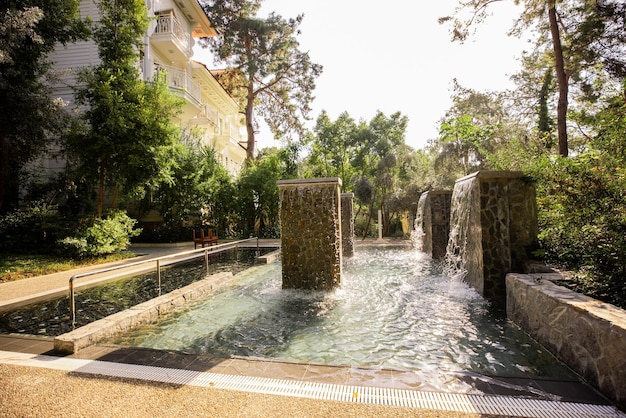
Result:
{"points": [[52, 318], [394, 309]]}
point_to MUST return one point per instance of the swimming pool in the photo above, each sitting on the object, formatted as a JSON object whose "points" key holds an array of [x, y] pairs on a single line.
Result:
{"points": [[52, 317], [394, 310]]}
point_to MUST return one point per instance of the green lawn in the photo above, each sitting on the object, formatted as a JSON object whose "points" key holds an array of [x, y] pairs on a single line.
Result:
{"points": [[18, 266]]}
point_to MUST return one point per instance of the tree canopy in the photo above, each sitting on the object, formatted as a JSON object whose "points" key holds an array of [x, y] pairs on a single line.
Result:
{"points": [[29, 117], [265, 69], [128, 138], [579, 35]]}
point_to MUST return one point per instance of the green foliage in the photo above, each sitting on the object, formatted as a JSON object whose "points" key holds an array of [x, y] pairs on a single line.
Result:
{"points": [[195, 181], [102, 235], [583, 221], [166, 233], [372, 160], [199, 190], [464, 143], [29, 117], [332, 148], [545, 123], [129, 137], [35, 229], [257, 194], [364, 227], [265, 70]]}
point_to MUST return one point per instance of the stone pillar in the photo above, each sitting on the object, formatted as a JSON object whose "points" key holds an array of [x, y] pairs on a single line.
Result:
{"points": [[310, 229], [347, 224], [432, 223], [493, 227]]}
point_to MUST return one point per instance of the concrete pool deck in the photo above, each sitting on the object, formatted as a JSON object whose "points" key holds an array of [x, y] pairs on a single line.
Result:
{"points": [[115, 381]]}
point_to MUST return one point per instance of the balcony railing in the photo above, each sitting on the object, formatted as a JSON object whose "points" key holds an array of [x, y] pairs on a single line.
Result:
{"points": [[181, 82], [232, 131], [211, 115], [168, 24]]}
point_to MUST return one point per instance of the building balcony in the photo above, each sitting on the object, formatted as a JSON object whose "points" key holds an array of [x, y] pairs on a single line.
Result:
{"points": [[230, 136], [207, 116], [181, 83], [171, 38]]}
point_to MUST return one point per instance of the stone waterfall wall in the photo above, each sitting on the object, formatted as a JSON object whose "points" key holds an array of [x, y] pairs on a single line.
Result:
{"points": [[347, 224], [493, 225], [432, 223], [310, 226], [584, 333]]}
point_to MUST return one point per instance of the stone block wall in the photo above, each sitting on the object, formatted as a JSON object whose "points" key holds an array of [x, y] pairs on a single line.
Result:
{"points": [[310, 227], [432, 223], [586, 334], [493, 226], [347, 224], [144, 313]]}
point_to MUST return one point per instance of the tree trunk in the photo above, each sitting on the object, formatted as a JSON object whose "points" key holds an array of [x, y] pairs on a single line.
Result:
{"points": [[3, 168], [367, 226], [116, 194], [384, 220], [250, 123], [250, 104], [101, 177], [562, 80]]}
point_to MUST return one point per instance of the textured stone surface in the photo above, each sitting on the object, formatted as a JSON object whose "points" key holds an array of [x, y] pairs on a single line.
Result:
{"points": [[347, 224], [143, 313], [586, 334], [310, 229], [493, 225], [432, 223]]}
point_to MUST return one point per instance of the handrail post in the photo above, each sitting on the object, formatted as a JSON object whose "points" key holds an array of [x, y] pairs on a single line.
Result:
{"points": [[158, 269], [72, 306], [218, 248], [258, 252]]}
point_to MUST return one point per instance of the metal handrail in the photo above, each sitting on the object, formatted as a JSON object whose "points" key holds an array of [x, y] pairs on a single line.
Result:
{"points": [[192, 254]]}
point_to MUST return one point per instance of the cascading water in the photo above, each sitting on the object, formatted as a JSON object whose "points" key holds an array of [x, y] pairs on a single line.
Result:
{"points": [[463, 255], [418, 235], [493, 224], [432, 223]]}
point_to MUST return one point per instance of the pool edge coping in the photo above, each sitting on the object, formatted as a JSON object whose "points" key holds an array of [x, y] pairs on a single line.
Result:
{"points": [[102, 329]]}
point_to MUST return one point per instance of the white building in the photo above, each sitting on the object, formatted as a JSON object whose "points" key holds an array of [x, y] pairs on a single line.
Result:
{"points": [[169, 48]]}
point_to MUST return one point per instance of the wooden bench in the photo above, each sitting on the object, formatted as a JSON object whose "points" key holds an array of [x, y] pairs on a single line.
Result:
{"points": [[210, 238]]}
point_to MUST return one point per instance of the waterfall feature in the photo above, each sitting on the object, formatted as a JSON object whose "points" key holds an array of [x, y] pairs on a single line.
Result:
{"points": [[432, 223], [493, 225], [310, 229], [347, 224]]}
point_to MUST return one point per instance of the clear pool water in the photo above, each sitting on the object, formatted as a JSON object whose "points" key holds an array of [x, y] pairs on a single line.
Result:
{"points": [[394, 309], [52, 317]]}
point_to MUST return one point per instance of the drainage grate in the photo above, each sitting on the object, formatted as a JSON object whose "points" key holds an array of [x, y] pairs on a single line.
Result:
{"points": [[480, 404]]}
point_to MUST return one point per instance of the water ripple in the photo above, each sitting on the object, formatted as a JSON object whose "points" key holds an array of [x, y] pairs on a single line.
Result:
{"points": [[394, 309]]}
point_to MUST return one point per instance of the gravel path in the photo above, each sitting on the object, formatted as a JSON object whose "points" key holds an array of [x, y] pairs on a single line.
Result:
{"points": [[35, 392]]}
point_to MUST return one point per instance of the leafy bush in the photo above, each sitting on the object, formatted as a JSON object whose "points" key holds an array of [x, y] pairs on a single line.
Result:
{"points": [[35, 229], [166, 233], [582, 220], [102, 235], [257, 196], [361, 223]]}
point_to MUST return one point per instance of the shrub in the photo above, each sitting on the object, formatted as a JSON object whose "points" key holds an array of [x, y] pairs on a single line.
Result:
{"points": [[166, 233], [102, 235], [35, 229], [583, 222]]}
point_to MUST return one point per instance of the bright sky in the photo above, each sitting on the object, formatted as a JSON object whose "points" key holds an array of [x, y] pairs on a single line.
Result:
{"points": [[394, 56]]}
